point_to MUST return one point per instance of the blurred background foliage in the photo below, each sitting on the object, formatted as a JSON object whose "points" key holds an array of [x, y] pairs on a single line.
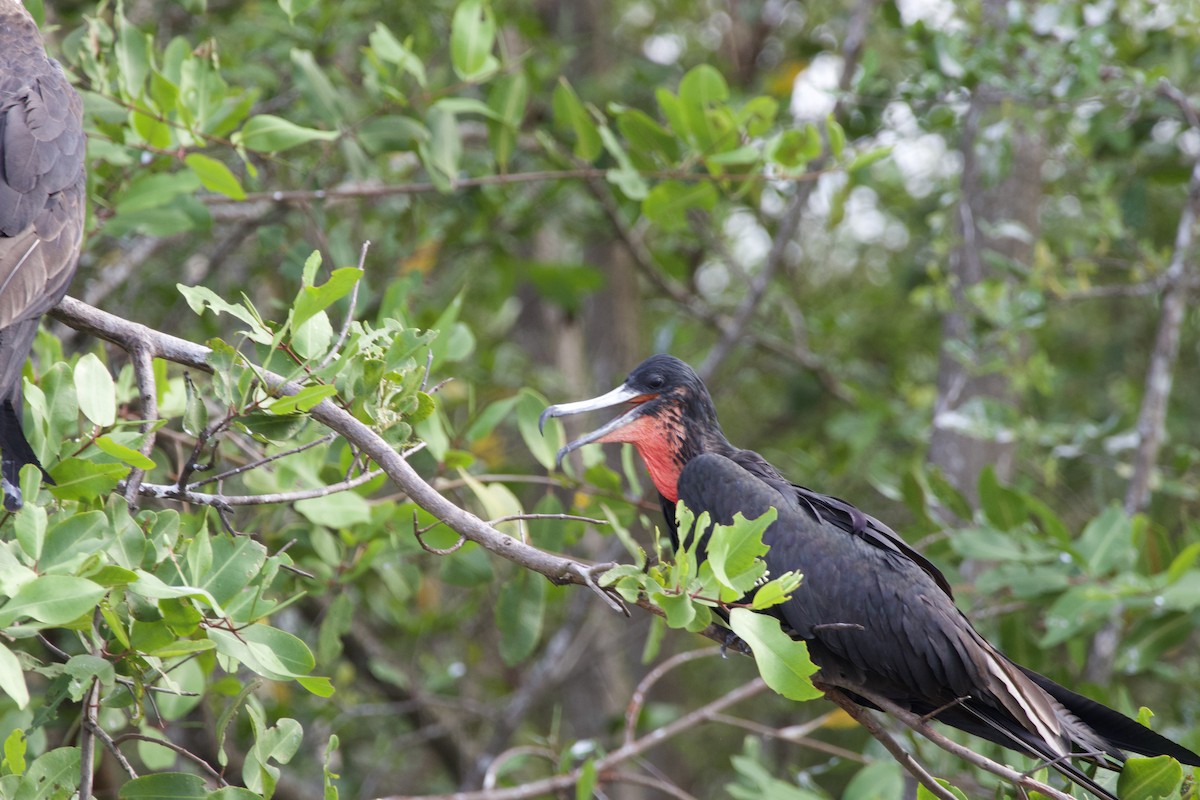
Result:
{"points": [[919, 250]]}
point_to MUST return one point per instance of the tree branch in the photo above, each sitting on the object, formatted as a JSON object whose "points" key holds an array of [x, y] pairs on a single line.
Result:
{"points": [[559, 569]]}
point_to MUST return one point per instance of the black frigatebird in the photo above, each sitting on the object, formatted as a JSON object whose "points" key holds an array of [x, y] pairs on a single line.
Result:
{"points": [[42, 187], [872, 610]]}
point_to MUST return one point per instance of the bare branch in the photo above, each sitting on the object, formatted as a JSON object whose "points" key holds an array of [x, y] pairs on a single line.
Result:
{"points": [[143, 370], [373, 190], [87, 739]]}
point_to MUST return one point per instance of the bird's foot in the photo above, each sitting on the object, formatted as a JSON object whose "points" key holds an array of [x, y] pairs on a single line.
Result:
{"points": [[735, 643]]}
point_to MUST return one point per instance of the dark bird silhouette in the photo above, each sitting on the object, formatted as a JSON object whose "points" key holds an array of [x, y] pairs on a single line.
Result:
{"points": [[873, 611], [41, 213]]}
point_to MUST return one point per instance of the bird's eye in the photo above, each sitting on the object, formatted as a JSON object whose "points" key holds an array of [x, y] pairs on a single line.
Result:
{"points": [[656, 382]]}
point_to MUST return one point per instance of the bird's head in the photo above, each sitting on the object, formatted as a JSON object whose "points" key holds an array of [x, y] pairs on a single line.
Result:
{"points": [[670, 419]]}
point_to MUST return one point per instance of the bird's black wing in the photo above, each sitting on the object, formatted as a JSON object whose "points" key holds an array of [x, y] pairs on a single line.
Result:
{"points": [[844, 515], [42, 188]]}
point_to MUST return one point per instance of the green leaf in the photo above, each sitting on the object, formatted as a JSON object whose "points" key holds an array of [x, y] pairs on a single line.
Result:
{"points": [[52, 599], [51, 776], [14, 749], [199, 298], [78, 479], [30, 526], [794, 148], [569, 114], [837, 137], [73, 538], [668, 203], [388, 47], [266, 133], [702, 88], [126, 455], [1149, 778], [472, 37], [236, 561], [12, 683], [294, 8], [336, 511], [507, 100], [735, 551], [96, 391], [165, 786], [442, 152], [303, 400], [317, 685], [925, 794], [776, 591], [881, 780], [1107, 541], [1003, 507], [530, 405], [268, 651], [783, 662], [585, 787], [313, 299], [195, 414], [215, 176], [520, 610]]}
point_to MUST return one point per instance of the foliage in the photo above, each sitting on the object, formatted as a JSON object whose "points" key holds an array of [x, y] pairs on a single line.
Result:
{"points": [[273, 606]]}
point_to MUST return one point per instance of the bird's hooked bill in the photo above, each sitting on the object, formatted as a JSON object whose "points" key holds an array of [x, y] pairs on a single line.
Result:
{"points": [[622, 394]]}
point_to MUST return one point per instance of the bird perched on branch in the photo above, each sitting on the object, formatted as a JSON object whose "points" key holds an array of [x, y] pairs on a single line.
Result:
{"points": [[873, 611], [41, 213]]}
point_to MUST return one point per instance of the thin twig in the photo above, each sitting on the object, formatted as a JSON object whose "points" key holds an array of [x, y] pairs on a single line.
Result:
{"points": [[173, 492], [345, 331], [638, 779], [792, 734], [638, 699], [183, 751], [229, 473]]}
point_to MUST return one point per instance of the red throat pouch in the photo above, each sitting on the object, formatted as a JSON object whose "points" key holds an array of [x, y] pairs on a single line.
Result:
{"points": [[654, 439]]}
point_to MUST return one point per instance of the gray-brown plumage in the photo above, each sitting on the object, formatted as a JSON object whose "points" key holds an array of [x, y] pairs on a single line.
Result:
{"points": [[41, 212]]}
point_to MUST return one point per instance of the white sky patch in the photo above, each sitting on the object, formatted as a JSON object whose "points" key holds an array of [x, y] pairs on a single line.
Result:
{"points": [[663, 48], [924, 162], [712, 279], [749, 242], [814, 92], [938, 14]]}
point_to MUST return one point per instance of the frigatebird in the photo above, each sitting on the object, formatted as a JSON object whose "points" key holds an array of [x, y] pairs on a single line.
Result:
{"points": [[873, 611], [42, 187]]}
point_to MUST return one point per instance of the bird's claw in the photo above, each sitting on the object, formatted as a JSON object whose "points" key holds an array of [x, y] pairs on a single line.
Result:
{"points": [[735, 643]]}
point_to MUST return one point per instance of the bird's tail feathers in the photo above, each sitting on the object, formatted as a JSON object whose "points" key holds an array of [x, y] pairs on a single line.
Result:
{"points": [[1117, 729]]}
